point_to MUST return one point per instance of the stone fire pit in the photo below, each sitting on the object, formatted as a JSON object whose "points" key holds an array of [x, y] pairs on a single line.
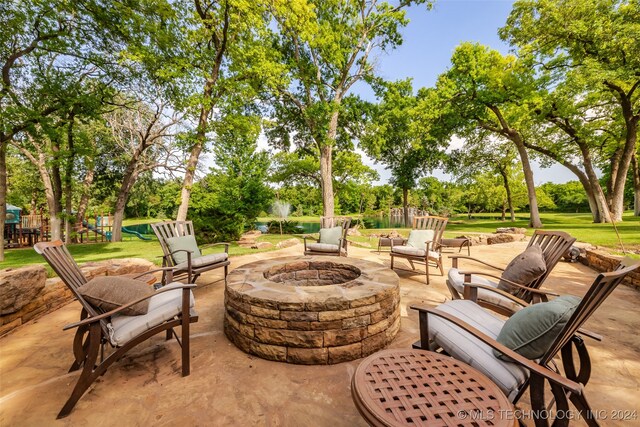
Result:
{"points": [[312, 310]]}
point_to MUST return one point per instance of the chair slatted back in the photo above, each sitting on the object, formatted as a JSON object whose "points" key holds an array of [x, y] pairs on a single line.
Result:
{"points": [[435, 223], [58, 257], [554, 245], [601, 288], [337, 221], [167, 229]]}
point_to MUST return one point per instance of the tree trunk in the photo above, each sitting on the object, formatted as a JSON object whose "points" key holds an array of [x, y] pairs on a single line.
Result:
{"points": [[128, 181], [326, 174], [56, 181], [614, 163], [507, 187], [405, 206], [534, 215], [617, 198], [68, 181], [3, 192], [187, 183], [636, 184], [595, 195], [85, 191]]}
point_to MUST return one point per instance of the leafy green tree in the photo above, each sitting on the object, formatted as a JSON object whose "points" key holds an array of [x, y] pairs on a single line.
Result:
{"points": [[222, 60], [597, 39], [390, 137], [483, 91], [324, 61], [233, 195], [303, 168]]}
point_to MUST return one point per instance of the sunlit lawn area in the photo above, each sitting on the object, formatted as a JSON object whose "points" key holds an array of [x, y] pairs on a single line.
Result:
{"points": [[578, 225], [133, 248]]}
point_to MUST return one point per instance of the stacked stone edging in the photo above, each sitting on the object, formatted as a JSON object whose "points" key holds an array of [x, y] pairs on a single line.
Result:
{"points": [[51, 293], [603, 261], [311, 324]]}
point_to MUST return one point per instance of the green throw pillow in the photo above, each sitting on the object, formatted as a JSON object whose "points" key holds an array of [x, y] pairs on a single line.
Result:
{"points": [[532, 330], [419, 238], [183, 242], [331, 235]]}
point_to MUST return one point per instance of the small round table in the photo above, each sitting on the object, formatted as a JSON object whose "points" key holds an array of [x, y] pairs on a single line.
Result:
{"points": [[400, 387]]}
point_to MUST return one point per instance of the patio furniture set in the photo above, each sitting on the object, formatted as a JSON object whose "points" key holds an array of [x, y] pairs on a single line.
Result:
{"points": [[477, 354]]}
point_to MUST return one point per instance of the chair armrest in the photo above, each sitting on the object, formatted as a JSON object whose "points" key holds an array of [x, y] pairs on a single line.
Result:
{"points": [[391, 239], [471, 293], [226, 245], [511, 283], [94, 319], [304, 238], [155, 270], [589, 334], [455, 258], [533, 367]]}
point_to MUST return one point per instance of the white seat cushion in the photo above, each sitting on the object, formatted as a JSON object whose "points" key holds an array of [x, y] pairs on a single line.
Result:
{"points": [[322, 247], [204, 260], [409, 250], [468, 349], [457, 281], [162, 307]]}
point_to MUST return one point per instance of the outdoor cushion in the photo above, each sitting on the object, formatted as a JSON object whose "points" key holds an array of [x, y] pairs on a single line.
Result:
{"points": [[408, 250], [466, 348], [203, 260], [419, 238], [524, 269], [110, 292], [183, 243], [331, 236], [457, 281], [532, 330], [162, 307], [322, 247]]}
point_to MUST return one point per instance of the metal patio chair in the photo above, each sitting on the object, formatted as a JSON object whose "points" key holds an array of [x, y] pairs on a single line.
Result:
{"points": [[170, 307], [467, 332]]}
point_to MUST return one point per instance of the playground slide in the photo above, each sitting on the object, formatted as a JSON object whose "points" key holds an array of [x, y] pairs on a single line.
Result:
{"points": [[107, 234], [135, 233]]}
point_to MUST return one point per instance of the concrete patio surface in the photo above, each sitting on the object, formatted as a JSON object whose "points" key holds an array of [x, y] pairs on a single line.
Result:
{"points": [[229, 387]]}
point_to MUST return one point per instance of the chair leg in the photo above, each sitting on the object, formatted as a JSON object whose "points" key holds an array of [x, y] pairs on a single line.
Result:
{"points": [[411, 263], [580, 402], [85, 379], [439, 261], [226, 271], [392, 262], [426, 267]]}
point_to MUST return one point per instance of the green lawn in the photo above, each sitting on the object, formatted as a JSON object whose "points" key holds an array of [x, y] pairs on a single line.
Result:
{"points": [[578, 225], [135, 248]]}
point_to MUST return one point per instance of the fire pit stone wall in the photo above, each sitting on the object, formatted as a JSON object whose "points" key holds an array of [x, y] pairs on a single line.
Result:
{"points": [[312, 310]]}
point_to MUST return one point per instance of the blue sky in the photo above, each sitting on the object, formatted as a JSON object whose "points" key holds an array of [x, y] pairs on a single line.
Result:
{"points": [[429, 41]]}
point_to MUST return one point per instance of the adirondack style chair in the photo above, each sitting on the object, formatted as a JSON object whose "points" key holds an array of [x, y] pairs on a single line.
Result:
{"points": [[195, 264], [554, 245], [431, 252], [338, 248], [468, 332], [170, 307]]}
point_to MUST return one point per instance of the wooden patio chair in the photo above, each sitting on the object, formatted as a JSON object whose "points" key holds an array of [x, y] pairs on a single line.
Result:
{"points": [[320, 248], [195, 264], [467, 332], [554, 245], [170, 307], [431, 253]]}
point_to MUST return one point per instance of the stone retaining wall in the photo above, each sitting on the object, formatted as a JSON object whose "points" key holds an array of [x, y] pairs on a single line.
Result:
{"points": [[603, 261], [26, 293]]}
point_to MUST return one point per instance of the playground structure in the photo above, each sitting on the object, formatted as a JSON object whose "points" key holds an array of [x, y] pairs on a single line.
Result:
{"points": [[27, 230]]}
